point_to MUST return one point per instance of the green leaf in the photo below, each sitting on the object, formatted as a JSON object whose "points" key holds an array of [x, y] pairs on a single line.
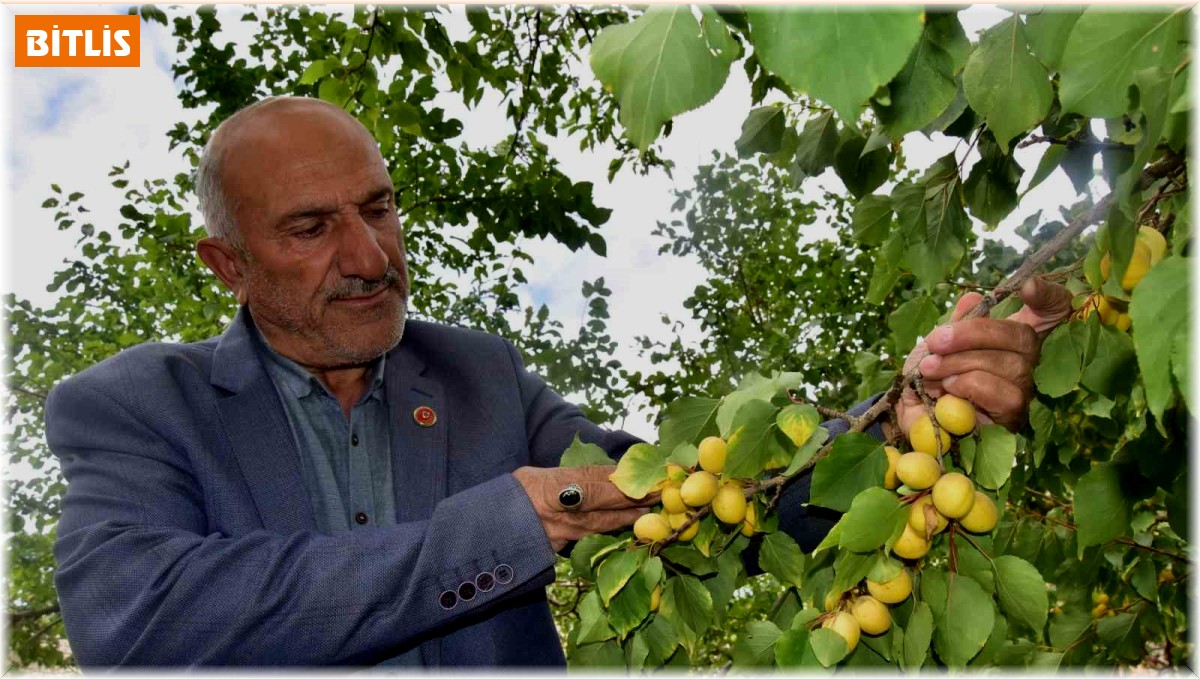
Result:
{"points": [[1061, 362], [630, 606], [1005, 83], [816, 145], [836, 54], [761, 390], [991, 460], [964, 622], [1110, 371], [319, 69], [685, 455], [856, 462], [753, 442], [661, 65], [589, 547], [1022, 593], [792, 649], [851, 567], [639, 470], [688, 420], [1107, 48], [1048, 31], [762, 131], [886, 273], [798, 422], [917, 635], [872, 219], [1160, 330], [756, 644], [910, 320], [687, 604], [605, 654], [860, 170], [781, 556], [661, 640], [991, 189], [593, 621], [1101, 508], [580, 454], [828, 646], [335, 91], [1122, 635], [874, 516], [1145, 580], [806, 451], [925, 87], [614, 572]]}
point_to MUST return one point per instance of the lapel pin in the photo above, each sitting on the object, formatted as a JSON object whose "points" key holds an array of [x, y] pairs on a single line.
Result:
{"points": [[425, 416]]}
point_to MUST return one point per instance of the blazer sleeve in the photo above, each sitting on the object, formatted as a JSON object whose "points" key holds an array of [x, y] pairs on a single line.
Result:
{"points": [[141, 581]]}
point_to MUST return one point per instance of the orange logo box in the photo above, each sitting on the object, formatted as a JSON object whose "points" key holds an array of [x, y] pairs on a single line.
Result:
{"points": [[78, 40]]}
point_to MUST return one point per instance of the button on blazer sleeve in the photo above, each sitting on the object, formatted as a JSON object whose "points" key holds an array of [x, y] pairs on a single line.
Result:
{"points": [[142, 581]]}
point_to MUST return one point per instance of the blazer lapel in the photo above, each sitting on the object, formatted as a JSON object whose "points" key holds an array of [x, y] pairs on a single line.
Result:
{"points": [[418, 452], [258, 432]]}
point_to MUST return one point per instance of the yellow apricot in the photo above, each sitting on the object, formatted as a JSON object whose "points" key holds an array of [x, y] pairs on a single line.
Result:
{"points": [[1124, 322], [889, 477], [730, 503], [671, 500], [651, 528], [910, 545], [676, 472], [871, 614], [956, 415], [1155, 242], [893, 591], [1139, 264], [846, 626], [920, 513], [954, 495], [712, 454], [750, 523], [655, 597], [699, 489], [677, 520], [831, 600], [983, 515], [1099, 304], [917, 470], [922, 439]]}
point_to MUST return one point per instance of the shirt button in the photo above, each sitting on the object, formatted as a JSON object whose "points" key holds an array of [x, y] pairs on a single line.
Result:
{"points": [[361, 518], [354, 439]]}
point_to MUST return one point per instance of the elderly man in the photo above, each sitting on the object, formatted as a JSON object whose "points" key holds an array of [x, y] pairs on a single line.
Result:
{"points": [[326, 483]]}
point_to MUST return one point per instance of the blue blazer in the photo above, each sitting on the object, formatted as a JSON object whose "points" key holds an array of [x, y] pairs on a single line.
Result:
{"points": [[187, 537]]}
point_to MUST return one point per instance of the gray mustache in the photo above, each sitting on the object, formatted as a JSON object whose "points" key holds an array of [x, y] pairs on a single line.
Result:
{"points": [[358, 287]]}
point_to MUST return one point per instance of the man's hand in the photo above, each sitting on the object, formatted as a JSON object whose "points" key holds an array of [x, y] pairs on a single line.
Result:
{"points": [[987, 361], [605, 508]]}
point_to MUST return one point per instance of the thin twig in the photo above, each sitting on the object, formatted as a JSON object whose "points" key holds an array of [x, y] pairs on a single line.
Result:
{"points": [[15, 617], [1073, 143]]}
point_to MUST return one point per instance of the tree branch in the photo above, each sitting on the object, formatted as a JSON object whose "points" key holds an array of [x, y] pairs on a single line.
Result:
{"points": [[1073, 143], [17, 617]]}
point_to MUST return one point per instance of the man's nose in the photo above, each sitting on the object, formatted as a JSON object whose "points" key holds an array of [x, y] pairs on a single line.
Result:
{"points": [[359, 253]]}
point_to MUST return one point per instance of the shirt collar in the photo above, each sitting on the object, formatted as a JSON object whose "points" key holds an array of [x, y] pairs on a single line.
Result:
{"points": [[300, 383]]}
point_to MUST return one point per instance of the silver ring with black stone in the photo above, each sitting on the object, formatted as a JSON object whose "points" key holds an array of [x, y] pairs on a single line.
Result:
{"points": [[571, 497]]}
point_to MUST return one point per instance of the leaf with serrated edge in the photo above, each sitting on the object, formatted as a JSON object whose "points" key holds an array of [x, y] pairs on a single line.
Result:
{"points": [[809, 48], [687, 420], [1022, 592], [580, 454], [661, 65], [1158, 326], [1005, 83], [639, 470], [615, 571]]}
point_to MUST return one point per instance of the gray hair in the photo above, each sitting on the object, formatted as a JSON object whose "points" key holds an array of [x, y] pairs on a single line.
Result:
{"points": [[217, 206]]}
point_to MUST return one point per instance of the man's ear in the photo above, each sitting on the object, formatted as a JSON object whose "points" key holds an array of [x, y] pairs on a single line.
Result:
{"points": [[226, 262]]}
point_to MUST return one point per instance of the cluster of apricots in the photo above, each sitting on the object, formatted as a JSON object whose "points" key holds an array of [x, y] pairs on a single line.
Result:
{"points": [[1149, 250], [935, 499], [686, 492]]}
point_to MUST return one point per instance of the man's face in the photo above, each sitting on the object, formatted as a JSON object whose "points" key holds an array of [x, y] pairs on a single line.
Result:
{"points": [[323, 273]]}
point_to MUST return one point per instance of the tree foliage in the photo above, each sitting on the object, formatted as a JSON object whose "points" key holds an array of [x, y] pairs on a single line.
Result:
{"points": [[1088, 563]]}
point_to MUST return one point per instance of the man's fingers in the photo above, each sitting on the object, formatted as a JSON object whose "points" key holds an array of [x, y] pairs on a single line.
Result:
{"points": [[603, 495], [993, 395], [1046, 305], [984, 333], [1008, 365], [965, 304]]}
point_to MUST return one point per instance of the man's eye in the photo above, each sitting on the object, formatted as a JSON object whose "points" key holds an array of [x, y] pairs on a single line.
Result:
{"points": [[312, 231], [379, 213]]}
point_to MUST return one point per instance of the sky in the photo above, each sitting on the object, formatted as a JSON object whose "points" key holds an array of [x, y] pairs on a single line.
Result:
{"points": [[69, 126]]}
